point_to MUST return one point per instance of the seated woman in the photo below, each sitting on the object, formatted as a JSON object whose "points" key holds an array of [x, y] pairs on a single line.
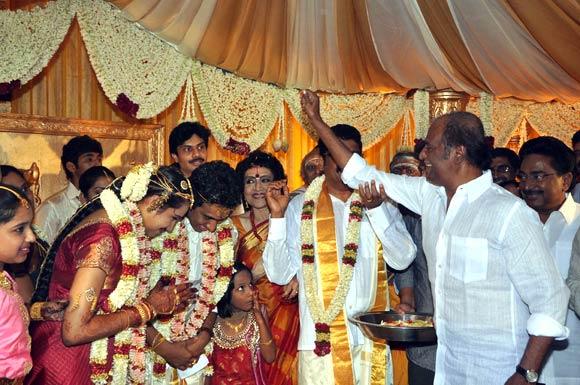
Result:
{"points": [[103, 263], [24, 273], [257, 172], [93, 181]]}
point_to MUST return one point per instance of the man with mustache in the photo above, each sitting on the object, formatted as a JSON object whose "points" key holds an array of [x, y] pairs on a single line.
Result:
{"points": [[546, 173], [499, 300], [188, 146]]}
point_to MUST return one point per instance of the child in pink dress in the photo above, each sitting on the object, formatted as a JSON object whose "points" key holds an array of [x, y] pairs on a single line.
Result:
{"points": [[16, 237]]}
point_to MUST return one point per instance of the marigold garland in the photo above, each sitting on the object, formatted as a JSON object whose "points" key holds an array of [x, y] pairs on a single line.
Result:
{"points": [[323, 318]]}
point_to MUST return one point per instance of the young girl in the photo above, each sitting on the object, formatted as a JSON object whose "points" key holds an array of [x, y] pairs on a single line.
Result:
{"points": [[242, 338], [16, 237], [93, 181]]}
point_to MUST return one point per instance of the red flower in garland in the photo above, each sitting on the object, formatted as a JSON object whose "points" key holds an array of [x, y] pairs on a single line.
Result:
{"points": [[170, 243], [130, 270], [126, 105], [124, 228], [240, 148], [321, 348], [7, 88], [322, 327], [226, 271], [225, 233]]}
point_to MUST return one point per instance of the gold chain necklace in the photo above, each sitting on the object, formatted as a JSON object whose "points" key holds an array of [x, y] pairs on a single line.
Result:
{"points": [[236, 327]]}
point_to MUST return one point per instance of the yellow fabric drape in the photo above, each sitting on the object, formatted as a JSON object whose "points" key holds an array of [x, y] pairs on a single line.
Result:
{"points": [[329, 274]]}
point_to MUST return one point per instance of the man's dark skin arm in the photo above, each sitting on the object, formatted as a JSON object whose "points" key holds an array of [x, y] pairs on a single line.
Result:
{"points": [[536, 350], [338, 151]]}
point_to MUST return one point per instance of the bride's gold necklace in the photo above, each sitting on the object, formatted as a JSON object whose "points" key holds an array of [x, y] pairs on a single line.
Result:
{"points": [[236, 327]]}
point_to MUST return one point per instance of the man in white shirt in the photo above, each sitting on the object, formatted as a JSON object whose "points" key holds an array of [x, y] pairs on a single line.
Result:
{"points": [[348, 359], [78, 155], [545, 176], [499, 300]]}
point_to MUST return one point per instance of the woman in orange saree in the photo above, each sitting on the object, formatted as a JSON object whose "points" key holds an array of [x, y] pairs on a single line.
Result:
{"points": [[257, 171]]}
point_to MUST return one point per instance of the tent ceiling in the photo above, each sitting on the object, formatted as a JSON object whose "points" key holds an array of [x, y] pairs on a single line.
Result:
{"points": [[520, 48]]}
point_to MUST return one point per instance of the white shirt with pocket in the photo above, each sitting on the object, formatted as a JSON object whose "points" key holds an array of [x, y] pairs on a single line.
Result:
{"points": [[492, 276]]}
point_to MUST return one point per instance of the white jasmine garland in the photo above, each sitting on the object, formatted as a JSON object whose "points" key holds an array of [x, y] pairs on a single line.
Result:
{"points": [[324, 317]]}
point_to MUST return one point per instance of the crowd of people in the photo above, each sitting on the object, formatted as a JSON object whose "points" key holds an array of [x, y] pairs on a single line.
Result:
{"points": [[199, 273]]}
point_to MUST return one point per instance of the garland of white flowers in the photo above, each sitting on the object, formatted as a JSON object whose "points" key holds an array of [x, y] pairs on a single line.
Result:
{"points": [[374, 115], [323, 318], [143, 74], [421, 108], [236, 109], [486, 112], [137, 70], [29, 39]]}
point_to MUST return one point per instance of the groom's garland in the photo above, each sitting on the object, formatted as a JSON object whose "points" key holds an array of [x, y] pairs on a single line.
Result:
{"points": [[323, 318]]}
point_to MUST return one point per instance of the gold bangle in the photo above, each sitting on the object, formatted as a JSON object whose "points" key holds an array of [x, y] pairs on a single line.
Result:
{"points": [[154, 340], [125, 313], [151, 309], [266, 343], [142, 314], [161, 340], [36, 311]]}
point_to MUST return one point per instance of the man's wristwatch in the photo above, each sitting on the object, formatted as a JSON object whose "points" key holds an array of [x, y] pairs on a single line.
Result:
{"points": [[530, 375]]}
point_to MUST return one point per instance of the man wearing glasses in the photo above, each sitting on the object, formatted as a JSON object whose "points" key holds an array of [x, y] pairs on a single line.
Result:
{"points": [[505, 163], [188, 146], [545, 176]]}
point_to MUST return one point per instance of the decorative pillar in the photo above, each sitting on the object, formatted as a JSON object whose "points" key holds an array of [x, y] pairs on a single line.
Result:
{"points": [[444, 101]]}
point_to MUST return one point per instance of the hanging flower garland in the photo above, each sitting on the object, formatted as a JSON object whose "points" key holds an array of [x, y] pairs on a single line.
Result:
{"points": [[133, 287], [238, 111], [421, 109], [374, 115], [138, 71], [323, 318], [29, 39]]}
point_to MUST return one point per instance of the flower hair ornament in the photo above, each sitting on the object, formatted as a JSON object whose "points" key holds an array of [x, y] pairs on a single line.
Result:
{"points": [[136, 184], [21, 199]]}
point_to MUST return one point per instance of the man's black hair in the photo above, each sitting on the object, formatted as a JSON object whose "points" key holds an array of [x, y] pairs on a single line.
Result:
{"points": [[510, 155], [184, 131], [77, 146], [344, 132], [576, 138], [216, 183], [562, 158], [465, 129]]}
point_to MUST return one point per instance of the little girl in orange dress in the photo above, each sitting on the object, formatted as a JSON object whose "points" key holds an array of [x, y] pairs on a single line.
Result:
{"points": [[16, 237], [242, 339]]}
